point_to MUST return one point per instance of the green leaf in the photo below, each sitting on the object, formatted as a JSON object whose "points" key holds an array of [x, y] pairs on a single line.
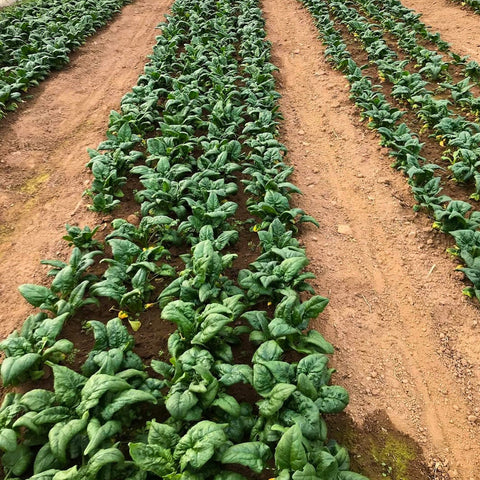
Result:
{"points": [[250, 454], [37, 400], [17, 461], [36, 295], [270, 350], [96, 386], [123, 250], [15, 369], [291, 267], [290, 453], [179, 404], [332, 399], [229, 476], [67, 384], [278, 327], [314, 366], [313, 342], [52, 415], [70, 474], [101, 458], [50, 328], [275, 399], [228, 404], [210, 327], [308, 473], [199, 444], [314, 306], [267, 374], [306, 387], [8, 440], [303, 412], [62, 433], [162, 434], [152, 458], [64, 280], [45, 460], [104, 432], [194, 357], [125, 398], [232, 374], [183, 314]]}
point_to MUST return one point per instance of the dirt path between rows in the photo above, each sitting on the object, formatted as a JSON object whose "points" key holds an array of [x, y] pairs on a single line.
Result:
{"points": [[457, 25], [43, 149], [407, 341]]}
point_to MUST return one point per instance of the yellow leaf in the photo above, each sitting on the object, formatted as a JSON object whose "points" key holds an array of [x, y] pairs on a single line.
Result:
{"points": [[122, 314], [135, 324]]}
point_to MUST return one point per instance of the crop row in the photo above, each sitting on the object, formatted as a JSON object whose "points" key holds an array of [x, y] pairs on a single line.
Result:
{"points": [[426, 178], [244, 387], [475, 4], [36, 37], [459, 134]]}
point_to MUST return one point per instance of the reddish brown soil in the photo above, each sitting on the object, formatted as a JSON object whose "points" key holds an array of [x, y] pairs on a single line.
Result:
{"points": [[43, 149], [406, 338]]}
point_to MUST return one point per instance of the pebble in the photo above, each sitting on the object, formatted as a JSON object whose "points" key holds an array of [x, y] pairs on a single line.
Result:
{"points": [[344, 229], [296, 52], [429, 241], [472, 418], [301, 132], [133, 219]]}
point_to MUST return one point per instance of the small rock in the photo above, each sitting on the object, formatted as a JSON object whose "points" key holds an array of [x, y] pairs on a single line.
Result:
{"points": [[412, 234], [429, 241], [426, 229], [301, 132], [315, 239], [296, 52], [373, 374], [472, 418], [133, 219], [386, 181], [344, 230]]}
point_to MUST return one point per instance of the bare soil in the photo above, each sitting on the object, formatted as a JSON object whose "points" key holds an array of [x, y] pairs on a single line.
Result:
{"points": [[407, 341]]}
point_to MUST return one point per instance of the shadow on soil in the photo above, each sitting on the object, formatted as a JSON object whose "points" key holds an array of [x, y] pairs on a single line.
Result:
{"points": [[377, 449]]}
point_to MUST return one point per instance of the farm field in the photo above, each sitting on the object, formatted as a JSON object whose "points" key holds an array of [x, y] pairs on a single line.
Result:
{"points": [[406, 339]]}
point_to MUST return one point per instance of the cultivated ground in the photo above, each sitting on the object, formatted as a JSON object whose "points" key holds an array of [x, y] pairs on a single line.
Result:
{"points": [[407, 341]]}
